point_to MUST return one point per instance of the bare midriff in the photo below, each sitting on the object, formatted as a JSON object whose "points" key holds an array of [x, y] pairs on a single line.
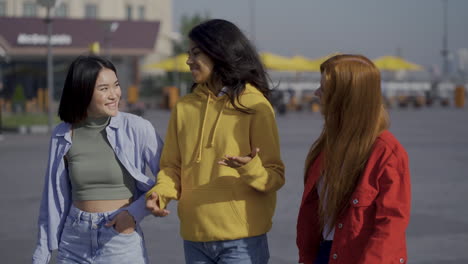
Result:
{"points": [[99, 206]]}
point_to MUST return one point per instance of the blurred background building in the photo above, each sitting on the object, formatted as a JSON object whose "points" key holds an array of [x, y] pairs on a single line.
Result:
{"points": [[147, 41], [131, 33]]}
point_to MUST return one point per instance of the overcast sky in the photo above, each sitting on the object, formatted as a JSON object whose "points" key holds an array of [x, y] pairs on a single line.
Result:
{"points": [[314, 28]]}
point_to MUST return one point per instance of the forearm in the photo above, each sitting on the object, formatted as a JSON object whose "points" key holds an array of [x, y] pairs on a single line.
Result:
{"points": [[383, 248], [167, 186], [387, 243], [138, 209], [268, 178]]}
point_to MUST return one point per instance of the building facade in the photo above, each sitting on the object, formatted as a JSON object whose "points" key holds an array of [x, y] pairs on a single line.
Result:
{"points": [[131, 33]]}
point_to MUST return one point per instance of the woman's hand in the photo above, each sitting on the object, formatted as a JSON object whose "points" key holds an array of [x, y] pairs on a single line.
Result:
{"points": [[152, 204], [123, 223], [236, 162]]}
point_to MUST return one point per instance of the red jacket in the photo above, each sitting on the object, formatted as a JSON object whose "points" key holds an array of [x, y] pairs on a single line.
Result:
{"points": [[372, 229]]}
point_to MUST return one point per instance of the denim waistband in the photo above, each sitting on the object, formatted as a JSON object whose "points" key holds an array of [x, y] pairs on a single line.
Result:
{"points": [[87, 216]]}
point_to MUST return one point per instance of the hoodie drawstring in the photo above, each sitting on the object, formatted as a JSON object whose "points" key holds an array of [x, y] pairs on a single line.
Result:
{"points": [[218, 119], [216, 124], [200, 147]]}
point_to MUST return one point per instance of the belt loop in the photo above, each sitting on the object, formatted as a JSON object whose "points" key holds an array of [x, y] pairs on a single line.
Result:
{"points": [[105, 216], [108, 217], [78, 216]]}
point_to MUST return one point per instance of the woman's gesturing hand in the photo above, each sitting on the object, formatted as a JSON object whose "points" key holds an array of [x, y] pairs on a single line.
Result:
{"points": [[236, 162]]}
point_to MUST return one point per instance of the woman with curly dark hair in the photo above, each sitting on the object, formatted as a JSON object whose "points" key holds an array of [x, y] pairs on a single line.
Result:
{"points": [[221, 158]]}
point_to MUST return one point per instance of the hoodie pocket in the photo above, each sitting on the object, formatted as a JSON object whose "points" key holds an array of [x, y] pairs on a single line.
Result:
{"points": [[210, 213]]}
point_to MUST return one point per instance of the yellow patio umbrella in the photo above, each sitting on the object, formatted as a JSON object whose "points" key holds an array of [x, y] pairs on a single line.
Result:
{"points": [[176, 64], [394, 63], [321, 60], [279, 63], [305, 64]]}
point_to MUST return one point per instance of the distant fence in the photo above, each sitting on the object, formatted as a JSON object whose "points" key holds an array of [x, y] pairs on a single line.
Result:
{"points": [[300, 95]]}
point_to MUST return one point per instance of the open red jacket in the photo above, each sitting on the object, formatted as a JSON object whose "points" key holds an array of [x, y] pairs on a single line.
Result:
{"points": [[372, 230]]}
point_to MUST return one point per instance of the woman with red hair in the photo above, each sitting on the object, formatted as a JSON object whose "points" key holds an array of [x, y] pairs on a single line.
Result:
{"points": [[356, 202]]}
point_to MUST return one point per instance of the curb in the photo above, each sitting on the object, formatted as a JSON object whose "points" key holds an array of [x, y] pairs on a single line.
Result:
{"points": [[23, 130]]}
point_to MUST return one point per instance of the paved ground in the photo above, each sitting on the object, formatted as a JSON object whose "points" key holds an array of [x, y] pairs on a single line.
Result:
{"points": [[436, 140]]}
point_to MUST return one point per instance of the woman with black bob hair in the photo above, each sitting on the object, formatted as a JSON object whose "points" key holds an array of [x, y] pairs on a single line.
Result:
{"points": [[212, 161], [93, 199]]}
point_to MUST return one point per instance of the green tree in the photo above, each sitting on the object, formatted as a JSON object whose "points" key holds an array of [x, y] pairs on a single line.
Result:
{"points": [[18, 99], [152, 86], [186, 24]]}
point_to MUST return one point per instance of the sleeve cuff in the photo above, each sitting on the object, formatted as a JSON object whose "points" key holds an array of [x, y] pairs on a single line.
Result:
{"points": [[138, 209], [249, 170], [41, 255]]}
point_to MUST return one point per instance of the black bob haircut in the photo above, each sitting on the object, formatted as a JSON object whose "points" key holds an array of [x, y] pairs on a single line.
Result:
{"points": [[79, 87]]}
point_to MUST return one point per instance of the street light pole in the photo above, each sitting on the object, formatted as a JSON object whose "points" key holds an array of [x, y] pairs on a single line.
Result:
{"points": [[176, 38], [49, 4], [2, 56], [444, 51], [50, 71], [112, 28], [4, 59]]}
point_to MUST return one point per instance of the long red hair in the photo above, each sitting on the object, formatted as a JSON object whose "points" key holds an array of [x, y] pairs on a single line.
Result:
{"points": [[354, 115]]}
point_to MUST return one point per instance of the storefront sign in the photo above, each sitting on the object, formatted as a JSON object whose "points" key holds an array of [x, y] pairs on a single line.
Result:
{"points": [[41, 39]]}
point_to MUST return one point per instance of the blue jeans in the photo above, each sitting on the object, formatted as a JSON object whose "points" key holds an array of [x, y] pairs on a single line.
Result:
{"points": [[85, 239], [324, 252], [250, 250]]}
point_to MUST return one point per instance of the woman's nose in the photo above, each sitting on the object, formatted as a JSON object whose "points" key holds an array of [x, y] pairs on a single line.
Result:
{"points": [[112, 93], [318, 92], [189, 61]]}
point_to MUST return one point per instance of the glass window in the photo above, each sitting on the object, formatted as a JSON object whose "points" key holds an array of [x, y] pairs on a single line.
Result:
{"points": [[29, 9], [2, 8], [61, 10], [141, 13], [90, 11], [129, 12]]}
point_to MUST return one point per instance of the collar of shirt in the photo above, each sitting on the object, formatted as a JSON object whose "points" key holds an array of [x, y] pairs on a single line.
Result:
{"points": [[223, 91]]}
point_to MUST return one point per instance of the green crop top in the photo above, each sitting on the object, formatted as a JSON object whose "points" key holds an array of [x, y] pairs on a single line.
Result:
{"points": [[94, 170]]}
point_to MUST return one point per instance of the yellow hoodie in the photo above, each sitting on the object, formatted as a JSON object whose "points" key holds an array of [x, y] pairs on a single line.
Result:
{"points": [[217, 202]]}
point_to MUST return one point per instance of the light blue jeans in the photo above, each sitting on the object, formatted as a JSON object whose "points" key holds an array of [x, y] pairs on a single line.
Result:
{"points": [[250, 250], [85, 239]]}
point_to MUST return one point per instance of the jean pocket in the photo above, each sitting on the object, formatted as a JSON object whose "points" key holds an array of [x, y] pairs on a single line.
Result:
{"points": [[69, 221], [117, 233]]}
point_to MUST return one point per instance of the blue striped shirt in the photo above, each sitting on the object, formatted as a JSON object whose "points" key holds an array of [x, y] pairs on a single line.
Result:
{"points": [[136, 145]]}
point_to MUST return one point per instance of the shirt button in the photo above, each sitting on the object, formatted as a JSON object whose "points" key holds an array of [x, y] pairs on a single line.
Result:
{"points": [[335, 256], [340, 225], [402, 260], [355, 201]]}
